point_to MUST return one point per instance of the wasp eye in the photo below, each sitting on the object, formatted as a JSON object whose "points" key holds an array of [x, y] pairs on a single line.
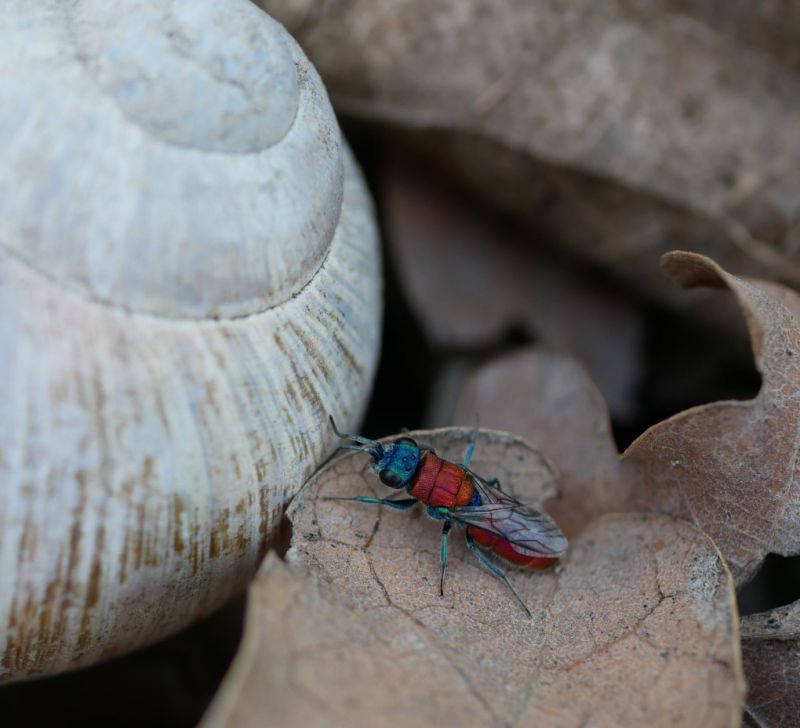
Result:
{"points": [[390, 478], [406, 440]]}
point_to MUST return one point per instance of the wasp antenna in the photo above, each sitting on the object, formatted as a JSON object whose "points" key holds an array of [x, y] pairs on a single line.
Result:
{"points": [[335, 428], [356, 448], [347, 436]]}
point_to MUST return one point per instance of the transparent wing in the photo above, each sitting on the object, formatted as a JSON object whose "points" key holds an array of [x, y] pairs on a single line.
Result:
{"points": [[530, 532]]}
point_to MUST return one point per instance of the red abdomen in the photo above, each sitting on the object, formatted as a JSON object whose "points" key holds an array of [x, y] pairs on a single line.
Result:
{"points": [[506, 550], [440, 483]]}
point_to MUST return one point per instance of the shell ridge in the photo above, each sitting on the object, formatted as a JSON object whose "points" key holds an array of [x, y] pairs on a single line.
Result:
{"points": [[86, 296]]}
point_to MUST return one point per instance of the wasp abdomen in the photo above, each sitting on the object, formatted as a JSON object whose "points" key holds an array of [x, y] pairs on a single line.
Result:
{"points": [[440, 483], [505, 550]]}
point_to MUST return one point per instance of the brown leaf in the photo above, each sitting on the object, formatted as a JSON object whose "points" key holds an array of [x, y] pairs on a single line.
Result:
{"points": [[771, 658], [550, 400], [730, 467], [622, 129], [772, 27], [637, 628], [471, 280]]}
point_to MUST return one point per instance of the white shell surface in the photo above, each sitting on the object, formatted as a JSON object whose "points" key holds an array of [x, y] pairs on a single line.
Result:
{"points": [[177, 158], [178, 315]]}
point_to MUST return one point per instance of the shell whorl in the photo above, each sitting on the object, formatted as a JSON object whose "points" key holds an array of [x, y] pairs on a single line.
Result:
{"points": [[156, 414], [139, 135]]}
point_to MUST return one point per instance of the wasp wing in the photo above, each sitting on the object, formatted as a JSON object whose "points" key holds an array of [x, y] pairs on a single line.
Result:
{"points": [[530, 532]]}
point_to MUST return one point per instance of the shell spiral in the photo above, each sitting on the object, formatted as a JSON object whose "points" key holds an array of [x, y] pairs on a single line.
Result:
{"points": [[189, 284]]}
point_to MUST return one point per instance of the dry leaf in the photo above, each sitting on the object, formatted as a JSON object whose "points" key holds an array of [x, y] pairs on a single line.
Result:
{"points": [[623, 129], [550, 400], [470, 280], [771, 658], [772, 27], [637, 628], [730, 467]]}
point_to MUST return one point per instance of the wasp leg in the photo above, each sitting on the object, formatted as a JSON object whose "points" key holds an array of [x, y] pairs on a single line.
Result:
{"points": [[494, 482], [445, 530], [401, 504], [496, 570], [472, 440]]}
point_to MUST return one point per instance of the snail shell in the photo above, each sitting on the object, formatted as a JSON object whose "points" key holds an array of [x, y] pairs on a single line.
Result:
{"points": [[189, 284]]}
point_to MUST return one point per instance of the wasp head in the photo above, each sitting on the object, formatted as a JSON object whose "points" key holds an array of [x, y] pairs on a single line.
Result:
{"points": [[399, 462], [394, 463]]}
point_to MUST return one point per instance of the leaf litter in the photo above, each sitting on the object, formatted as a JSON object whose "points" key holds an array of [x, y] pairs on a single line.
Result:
{"points": [[600, 122], [472, 278], [637, 626], [729, 467], [771, 657]]}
